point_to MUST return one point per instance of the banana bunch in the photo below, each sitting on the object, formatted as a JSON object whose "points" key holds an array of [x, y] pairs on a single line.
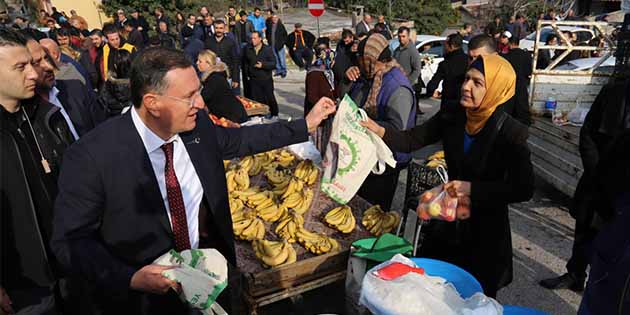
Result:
{"points": [[306, 171], [341, 218], [261, 199], [249, 229], [289, 225], [265, 158], [316, 243], [237, 179], [244, 194], [284, 158], [300, 201], [236, 205], [379, 222], [437, 159], [238, 216], [271, 213], [226, 163], [273, 254], [277, 176]]}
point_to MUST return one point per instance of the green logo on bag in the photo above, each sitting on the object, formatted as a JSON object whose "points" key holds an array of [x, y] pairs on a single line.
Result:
{"points": [[353, 153]]}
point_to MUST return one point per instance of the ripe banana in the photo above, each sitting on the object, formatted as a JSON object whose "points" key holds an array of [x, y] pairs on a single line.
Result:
{"points": [[316, 243], [341, 218], [284, 158], [305, 204], [273, 254], [307, 172], [379, 222], [249, 229], [236, 205], [289, 225], [229, 179], [242, 179]]}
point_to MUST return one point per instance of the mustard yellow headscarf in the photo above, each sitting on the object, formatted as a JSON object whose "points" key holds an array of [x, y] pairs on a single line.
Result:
{"points": [[500, 86]]}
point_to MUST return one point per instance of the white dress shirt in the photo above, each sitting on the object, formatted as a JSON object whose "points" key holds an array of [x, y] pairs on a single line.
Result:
{"points": [[52, 98], [189, 182]]}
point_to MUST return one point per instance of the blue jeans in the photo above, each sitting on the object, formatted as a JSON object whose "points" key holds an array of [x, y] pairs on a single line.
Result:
{"points": [[281, 61]]}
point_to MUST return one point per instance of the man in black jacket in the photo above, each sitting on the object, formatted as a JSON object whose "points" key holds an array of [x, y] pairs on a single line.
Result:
{"points": [[450, 72], [521, 61], [606, 120], [134, 37], [141, 24], [224, 48], [260, 62], [300, 44], [277, 38], [33, 138]]}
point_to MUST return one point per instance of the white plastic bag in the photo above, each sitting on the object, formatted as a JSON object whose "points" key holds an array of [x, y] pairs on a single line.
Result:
{"points": [[415, 294], [202, 274], [352, 153], [578, 114]]}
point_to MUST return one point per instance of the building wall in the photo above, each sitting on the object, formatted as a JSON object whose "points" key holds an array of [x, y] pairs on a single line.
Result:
{"points": [[89, 9]]}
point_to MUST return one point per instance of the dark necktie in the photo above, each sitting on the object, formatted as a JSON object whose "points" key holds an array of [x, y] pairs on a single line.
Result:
{"points": [[175, 201]]}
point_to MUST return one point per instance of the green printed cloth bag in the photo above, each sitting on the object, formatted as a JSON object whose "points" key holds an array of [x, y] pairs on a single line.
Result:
{"points": [[352, 153], [202, 274]]}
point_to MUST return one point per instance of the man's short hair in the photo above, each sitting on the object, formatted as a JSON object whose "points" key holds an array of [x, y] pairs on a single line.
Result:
{"points": [[10, 37], [403, 29], [150, 67], [514, 40], [346, 33], [192, 14], [482, 41], [109, 28], [256, 9], [96, 31], [455, 40], [257, 32], [519, 16], [231, 7], [242, 13], [217, 22]]}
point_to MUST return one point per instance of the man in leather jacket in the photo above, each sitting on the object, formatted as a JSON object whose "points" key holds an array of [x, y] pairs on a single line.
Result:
{"points": [[33, 137]]}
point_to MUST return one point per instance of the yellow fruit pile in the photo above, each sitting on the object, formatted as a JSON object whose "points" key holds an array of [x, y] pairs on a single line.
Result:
{"points": [[307, 172], [341, 218], [379, 222], [317, 244], [283, 157], [249, 229], [437, 159], [237, 179], [289, 225], [274, 254]]}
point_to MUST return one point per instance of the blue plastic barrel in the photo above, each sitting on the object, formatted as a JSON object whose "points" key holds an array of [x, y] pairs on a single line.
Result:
{"points": [[463, 281], [518, 310]]}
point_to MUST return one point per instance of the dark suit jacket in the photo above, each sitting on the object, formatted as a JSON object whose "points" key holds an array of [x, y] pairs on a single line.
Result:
{"points": [[109, 216], [361, 28], [452, 71], [500, 171], [81, 105], [521, 61], [281, 35]]}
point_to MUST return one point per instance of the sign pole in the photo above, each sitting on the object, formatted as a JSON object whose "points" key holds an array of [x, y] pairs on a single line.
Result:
{"points": [[318, 27]]}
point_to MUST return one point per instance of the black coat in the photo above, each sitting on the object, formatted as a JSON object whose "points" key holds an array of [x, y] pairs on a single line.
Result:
{"points": [[81, 105], [27, 267], [500, 171], [521, 61], [602, 125], [451, 71], [220, 99], [115, 96], [110, 218], [136, 39], [266, 57], [141, 22], [237, 30], [309, 40], [281, 35], [225, 50]]}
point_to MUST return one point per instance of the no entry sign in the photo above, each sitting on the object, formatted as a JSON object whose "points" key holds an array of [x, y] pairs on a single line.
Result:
{"points": [[316, 7]]}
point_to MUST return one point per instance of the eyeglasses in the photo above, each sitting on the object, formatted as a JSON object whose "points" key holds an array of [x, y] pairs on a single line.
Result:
{"points": [[190, 101]]}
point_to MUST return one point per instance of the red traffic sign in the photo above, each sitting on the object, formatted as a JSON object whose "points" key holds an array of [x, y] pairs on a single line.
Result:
{"points": [[316, 7]]}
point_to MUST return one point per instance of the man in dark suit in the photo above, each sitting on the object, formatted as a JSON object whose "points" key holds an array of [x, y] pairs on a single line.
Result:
{"points": [[521, 61], [153, 180], [300, 44], [75, 101], [451, 70]]}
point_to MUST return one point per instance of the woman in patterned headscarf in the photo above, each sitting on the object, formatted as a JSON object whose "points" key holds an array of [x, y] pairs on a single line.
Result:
{"points": [[489, 167]]}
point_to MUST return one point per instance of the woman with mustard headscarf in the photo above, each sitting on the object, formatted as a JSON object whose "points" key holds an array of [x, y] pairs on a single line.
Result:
{"points": [[489, 167]]}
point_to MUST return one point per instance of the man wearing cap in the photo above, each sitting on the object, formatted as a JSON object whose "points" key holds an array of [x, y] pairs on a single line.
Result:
{"points": [[300, 44], [504, 42]]}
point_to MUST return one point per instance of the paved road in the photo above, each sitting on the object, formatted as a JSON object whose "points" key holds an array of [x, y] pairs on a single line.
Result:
{"points": [[542, 234]]}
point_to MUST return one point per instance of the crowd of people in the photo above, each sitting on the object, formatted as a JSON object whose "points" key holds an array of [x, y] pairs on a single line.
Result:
{"points": [[109, 159]]}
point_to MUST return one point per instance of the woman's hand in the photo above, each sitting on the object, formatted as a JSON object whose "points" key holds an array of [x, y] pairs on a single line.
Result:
{"points": [[458, 188], [353, 73], [373, 126], [5, 302]]}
